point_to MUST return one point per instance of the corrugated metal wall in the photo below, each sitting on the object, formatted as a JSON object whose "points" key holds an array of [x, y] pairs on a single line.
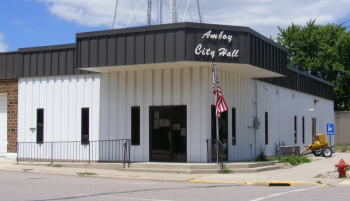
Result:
{"points": [[192, 87], [48, 61], [8, 65], [62, 98], [111, 96]]}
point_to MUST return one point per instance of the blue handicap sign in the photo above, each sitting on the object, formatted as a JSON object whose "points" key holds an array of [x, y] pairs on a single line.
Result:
{"points": [[330, 129]]}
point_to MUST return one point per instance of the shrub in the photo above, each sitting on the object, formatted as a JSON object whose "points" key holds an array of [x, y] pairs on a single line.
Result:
{"points": [[261, 157], [296, 160]]}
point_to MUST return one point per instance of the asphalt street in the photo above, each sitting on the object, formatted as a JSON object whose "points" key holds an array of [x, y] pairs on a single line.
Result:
{"points": [[33, 186]]}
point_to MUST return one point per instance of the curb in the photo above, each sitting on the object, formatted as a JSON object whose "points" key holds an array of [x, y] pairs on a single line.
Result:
{"points": [[260, 183]]}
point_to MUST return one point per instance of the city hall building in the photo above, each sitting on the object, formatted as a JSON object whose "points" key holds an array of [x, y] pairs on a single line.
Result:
{"points": [[152, 85]]}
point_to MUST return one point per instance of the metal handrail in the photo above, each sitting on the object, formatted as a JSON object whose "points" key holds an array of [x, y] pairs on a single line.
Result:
{"points": [[210, 148], [75, 151]]}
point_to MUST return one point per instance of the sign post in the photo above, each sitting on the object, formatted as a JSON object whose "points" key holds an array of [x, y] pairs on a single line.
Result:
{"points": [[330, 132]]}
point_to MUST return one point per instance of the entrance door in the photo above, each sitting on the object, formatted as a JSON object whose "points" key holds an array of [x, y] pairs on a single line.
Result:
{"points": [[168, 133], [3, 124]]}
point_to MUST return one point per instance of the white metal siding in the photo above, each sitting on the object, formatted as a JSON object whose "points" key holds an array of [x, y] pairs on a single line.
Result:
{"points": [[3, 124], [62, 98], [193, 87], [110, 97]]}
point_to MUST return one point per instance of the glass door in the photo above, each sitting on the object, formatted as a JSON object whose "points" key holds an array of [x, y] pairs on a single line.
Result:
{"points": [[168, 133]]}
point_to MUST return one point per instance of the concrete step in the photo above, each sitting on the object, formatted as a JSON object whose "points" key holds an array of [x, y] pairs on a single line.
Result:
{"points": [[251, 167], [255, 170]]}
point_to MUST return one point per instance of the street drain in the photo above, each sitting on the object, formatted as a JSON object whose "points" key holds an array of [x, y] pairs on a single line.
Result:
{"points": [[279, 184]]}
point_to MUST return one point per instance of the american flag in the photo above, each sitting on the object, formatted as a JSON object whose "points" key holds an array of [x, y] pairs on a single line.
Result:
{"points": [[220, 104]]}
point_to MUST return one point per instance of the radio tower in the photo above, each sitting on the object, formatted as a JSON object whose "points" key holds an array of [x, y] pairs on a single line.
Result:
{"points": [[173, 8]]}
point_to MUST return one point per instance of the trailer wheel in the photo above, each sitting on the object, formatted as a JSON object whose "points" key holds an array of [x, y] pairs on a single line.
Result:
{"points": [[317, 152], [327, 152]]}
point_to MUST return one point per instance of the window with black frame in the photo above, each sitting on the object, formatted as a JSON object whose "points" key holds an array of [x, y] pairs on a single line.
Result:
{"points": [[135, 125], [40, 125], [295, 129], [85, 125], [234, 140], [266, 128]]}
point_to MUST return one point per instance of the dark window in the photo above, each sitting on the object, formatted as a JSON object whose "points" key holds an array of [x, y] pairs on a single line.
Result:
{"points": [[295, 129], [40, 125], [233, 126], [266, 128], [84, 125], [303, 127], [135, 125]]}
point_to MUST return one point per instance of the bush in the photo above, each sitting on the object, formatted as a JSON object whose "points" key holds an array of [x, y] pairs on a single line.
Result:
{"points": [[296, 160], [261, 157]]}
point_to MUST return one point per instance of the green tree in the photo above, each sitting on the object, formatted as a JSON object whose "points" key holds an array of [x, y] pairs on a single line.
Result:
{"points": [[323, 51]]}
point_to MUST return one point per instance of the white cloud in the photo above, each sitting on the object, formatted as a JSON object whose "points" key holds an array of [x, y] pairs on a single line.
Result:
{"points": [[261, 15], [3, 46]]}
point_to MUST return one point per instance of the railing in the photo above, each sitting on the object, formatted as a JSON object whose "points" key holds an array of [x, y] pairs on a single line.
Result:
{"points": [[75, 151], [212, 153]]}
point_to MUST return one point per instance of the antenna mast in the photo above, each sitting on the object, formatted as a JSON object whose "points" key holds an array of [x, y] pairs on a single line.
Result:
{"points": [[159, 13], [173, 11], [115, 16], [149, 6], [201, 20]]}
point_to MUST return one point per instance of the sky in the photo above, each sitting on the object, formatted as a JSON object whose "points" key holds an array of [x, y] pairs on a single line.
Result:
{"points": [[34, 23]]}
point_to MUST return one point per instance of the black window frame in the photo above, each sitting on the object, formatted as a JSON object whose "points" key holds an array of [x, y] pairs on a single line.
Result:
{"points": [[295, 130], [303, 129], [234, 139], [85, 125], [135, 125], [40, 125], [266, 128]]}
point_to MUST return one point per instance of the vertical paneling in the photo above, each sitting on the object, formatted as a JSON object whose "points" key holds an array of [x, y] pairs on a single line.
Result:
{"points": [[54, 62], [149, 43], [159, 46], [83, 55], [102, 48], [3, 66], [111, 50], [180, 44], [121, 104], [120, 53], [170, 45], [140, 48], [62, 62], [62, 99], [112, 105], [93, 51], [130, 48]]}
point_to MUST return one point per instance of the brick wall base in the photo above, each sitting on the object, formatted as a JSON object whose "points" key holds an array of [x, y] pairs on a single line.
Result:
{"points": [[10, 87]]}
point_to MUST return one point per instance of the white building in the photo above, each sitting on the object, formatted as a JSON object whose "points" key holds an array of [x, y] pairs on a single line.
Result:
{"points": [[153, 85]]}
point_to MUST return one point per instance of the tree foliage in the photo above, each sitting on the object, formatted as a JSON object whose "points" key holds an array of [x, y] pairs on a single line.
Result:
{"points": [[323, 51]]}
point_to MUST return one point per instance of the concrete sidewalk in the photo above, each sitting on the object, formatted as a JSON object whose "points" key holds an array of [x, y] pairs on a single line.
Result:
{"points": [[305, 174]]}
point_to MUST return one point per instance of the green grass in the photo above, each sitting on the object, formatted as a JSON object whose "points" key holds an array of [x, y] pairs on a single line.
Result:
{"points": [[83, 174], [293, 160], [338, 147], [225, 171]]}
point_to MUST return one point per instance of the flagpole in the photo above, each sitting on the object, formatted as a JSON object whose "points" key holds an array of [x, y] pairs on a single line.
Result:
{"points": [[217, 119]]}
